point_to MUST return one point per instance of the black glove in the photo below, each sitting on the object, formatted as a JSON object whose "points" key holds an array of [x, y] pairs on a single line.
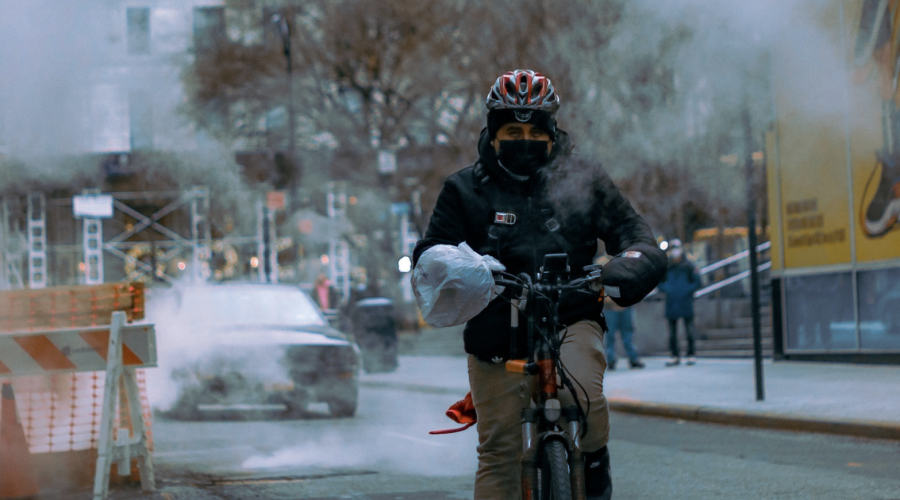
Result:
{"points": [[631, 275]]}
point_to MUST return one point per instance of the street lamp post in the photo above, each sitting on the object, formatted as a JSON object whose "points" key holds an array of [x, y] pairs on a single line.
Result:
{"points": [[284, 29], [751, 241]]}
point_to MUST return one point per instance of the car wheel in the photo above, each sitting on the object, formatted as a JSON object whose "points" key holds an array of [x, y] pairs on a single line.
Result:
{"points": [[293, 408], [341, 408], [294, 412]]}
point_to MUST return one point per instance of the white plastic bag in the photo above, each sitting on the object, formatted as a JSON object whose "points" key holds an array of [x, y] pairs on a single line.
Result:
{"points": [[454, 284]]}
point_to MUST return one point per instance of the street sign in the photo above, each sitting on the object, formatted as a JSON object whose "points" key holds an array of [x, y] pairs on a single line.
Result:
{"points": [[276, 200], [387, 162], [92, 206]]}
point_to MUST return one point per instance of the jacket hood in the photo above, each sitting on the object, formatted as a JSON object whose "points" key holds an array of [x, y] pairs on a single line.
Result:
{"points": [[487, 156]]}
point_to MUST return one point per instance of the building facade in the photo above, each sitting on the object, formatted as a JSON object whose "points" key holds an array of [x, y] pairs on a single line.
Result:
{"points": [[834, 187], [91, 92]]}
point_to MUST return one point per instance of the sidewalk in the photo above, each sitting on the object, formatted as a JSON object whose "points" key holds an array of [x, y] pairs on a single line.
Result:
{"points": [[835, 398]]}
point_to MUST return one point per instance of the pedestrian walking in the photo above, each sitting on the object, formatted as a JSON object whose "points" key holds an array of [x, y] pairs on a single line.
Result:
{"points": [[620, 319], [322, 289], [679, 284]]}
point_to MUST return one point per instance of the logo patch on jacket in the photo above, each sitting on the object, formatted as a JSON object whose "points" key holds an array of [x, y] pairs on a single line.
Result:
{"points": [[632, 254], [504, 218]]}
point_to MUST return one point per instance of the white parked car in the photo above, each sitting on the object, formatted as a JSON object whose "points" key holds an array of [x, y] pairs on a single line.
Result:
{"points": [[251, 349]]}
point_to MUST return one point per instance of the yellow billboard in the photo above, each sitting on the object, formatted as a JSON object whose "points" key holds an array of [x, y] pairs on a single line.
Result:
{"points": [[811, 156], [834, 172], [873, 28]]}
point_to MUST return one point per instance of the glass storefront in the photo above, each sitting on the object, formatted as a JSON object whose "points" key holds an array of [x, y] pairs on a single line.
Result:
{"points": [[879, 309], [832, 197], [819, 312]]}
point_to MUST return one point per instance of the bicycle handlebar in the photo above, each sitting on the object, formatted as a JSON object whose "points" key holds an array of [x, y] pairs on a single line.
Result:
{"points": [[593, 279]]}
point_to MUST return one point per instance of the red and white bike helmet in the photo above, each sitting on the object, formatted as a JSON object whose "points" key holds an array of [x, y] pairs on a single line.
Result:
{"points": [[524, 91]]}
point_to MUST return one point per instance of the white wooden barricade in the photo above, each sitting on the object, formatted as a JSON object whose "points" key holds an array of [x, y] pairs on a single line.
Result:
{"points": [[125, 447], [83, 349]]}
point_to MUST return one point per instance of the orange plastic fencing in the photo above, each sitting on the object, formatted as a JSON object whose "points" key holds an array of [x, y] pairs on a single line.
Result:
{"points": [[68, 306], [61, 418], [61, 412]]}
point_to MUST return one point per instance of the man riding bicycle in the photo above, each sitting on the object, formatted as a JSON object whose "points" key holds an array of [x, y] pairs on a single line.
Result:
{"points": [[528, 196]]}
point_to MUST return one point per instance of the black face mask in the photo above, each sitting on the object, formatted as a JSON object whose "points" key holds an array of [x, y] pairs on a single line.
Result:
{"points": [[523, 157]]}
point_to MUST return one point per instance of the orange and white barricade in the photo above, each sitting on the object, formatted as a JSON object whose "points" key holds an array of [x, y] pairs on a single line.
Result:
{"points": [[60, 372]]}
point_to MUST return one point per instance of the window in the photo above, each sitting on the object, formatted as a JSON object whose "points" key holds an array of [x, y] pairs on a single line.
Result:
{"points": [[879, 309], [138, 30], [209, 28], [820, 312]]}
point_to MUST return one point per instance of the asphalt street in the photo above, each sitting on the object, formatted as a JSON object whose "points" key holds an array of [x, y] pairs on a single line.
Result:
{"points": [[386, 453], [386, 448], [656, 458]]}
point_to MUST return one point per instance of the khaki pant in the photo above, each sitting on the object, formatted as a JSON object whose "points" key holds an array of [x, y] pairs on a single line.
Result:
{"points": [[499, 397]]}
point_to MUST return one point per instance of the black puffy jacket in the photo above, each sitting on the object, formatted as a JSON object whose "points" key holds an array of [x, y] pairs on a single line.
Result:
{"points": [[548, 220]]}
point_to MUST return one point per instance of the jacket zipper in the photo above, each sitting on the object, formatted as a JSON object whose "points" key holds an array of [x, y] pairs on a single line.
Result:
{"points": [[534, 256]]}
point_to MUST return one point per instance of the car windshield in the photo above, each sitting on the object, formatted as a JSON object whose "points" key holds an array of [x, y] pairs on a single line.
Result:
{"points": [[238, 306]]}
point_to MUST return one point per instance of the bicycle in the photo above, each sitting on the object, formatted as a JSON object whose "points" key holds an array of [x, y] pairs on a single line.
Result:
{"points": [[552, 462]]}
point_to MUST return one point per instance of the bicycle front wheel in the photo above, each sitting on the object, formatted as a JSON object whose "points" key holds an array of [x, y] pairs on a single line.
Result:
{"points": [[555, 482]]}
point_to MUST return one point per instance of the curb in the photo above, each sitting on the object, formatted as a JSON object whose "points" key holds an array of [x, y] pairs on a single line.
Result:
{"points": [[873, 429]]}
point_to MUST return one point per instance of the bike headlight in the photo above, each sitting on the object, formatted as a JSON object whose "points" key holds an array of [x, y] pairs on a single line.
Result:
{"points": [[552, 410]]}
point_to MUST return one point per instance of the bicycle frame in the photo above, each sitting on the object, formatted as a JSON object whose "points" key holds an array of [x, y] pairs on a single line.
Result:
{"points": [[541, 424]]}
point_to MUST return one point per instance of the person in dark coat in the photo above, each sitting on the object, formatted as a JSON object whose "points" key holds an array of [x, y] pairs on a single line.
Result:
{"points": [[528, 196], [679, 284]]}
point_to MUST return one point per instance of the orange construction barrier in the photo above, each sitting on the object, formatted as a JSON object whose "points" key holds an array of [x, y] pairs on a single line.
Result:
{"points": [[57, 350], [18, 478]]}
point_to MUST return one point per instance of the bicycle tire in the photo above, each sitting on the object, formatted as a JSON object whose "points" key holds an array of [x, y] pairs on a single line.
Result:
{"points": [[555, 481]]}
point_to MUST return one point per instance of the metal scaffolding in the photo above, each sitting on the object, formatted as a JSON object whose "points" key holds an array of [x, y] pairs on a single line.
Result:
{"points": [[201, 238], [92, 246], [198, 243], [37, 240], [408, 239], [10, 262], [266, 243], [25, 254], [338, 248]]}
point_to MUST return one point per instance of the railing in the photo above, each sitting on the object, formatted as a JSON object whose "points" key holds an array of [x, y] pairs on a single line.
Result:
{"points": [[734, 258], [734, 279], [724, 262]]}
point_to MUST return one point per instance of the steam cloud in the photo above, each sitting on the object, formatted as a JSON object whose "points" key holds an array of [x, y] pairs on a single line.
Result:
{"points": [[670, 86], [403, 446], [186, 351]]}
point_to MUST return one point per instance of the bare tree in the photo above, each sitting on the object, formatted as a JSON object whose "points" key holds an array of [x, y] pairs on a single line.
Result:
{"points": [[404, 74], [383, 75]]}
